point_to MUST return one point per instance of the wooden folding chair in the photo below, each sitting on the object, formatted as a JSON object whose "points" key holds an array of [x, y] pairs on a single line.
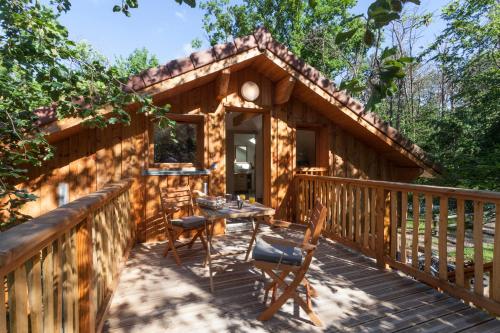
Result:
{"points": [[172, 201], [279, 258]]}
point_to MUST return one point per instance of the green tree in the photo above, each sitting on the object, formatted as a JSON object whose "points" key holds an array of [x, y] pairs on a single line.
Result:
{"points": [[309, 31], [324, 34], [448, 104], [466, 136], [136, 62], [41, 67]]}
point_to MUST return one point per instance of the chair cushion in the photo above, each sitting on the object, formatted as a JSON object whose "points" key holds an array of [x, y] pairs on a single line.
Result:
{"points": [[277, 253], [189, 222]]}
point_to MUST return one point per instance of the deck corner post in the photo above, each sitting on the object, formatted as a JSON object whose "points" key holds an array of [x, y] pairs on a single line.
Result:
{"points": [[85, 272]]}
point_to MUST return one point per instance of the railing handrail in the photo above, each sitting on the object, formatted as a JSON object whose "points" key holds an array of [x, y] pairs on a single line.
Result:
{"points": [[312, 168], [487, 196], [21, 242], [372, 217]]}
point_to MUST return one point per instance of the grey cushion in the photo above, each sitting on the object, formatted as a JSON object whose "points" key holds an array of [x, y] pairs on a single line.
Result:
{"points": [[189, 222], [277, 253]]}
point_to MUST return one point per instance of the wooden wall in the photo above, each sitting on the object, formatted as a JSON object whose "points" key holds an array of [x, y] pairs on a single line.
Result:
{"points": [[92, 157], [200, 102], [340, 152], [87, 161]]}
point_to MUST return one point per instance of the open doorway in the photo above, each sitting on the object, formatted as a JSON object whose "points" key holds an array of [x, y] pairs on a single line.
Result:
{"points": [[244, 154]]}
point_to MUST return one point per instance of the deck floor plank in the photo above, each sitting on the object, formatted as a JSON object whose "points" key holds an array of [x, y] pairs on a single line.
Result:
{"points": [[156, 295]]}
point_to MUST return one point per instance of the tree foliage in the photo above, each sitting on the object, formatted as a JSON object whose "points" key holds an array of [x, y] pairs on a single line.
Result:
{"points": [[467, 138], [448, 103], [445, 98], [41, 67], [324, 34], [136, 62], [309, 31], [127, 5]]}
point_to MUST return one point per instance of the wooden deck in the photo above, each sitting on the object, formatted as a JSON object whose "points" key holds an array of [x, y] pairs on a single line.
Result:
{"points": [[155, 295]]}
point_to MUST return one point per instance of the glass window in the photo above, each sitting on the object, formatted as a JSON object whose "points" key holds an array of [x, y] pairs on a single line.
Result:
{"points": [[306, 148], [175, 144]]}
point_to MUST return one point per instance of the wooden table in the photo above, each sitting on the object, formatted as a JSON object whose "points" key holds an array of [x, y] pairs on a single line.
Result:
{"points": [[230, 210]]}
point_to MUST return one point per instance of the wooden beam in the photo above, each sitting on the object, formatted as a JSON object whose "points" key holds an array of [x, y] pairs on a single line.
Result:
{"points": [[266, 143], [222, 84], [237, 104], [239, 119], [284, 90]]}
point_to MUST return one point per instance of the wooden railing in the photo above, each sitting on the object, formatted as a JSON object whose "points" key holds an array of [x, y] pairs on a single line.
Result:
{"points": [[57, 271], [316, 171], [424, 231]]}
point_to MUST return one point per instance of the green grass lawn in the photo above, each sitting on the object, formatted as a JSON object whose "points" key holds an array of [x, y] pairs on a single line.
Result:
{"points": [[469, 253], [452, 226], [421, 225]]}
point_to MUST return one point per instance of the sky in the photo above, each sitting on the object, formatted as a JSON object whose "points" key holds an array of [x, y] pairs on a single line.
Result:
{"points": [[166, 28]]}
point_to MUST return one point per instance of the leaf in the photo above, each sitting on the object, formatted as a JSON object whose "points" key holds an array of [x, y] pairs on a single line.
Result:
{"points": [[381, 20], [387, 74], [407, 60], [344, 36], [132, 3], [396, 5], [388, 52], [350, 19], [369, 37], [392, 63], [400, 73], [379, 7], [416, 2], [116, 8], [354, 85], [190, 3]]}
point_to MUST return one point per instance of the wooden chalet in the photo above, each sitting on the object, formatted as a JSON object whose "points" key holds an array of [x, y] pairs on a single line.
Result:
{"points": [[251, 118]]}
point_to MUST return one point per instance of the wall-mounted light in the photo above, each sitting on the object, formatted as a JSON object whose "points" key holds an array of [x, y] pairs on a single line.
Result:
{"points": [[250, 91]]}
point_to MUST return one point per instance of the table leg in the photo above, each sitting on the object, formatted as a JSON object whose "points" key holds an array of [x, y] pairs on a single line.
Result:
{"points": [[209, 253], [254, 234]]}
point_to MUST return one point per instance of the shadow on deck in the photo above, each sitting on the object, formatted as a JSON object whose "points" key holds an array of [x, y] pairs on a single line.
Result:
{"points": [[156, 295]]}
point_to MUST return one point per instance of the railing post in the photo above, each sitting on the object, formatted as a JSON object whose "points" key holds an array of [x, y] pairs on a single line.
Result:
{"points": [[495, 274], [382, 226], [295, 192], [85, 269]]}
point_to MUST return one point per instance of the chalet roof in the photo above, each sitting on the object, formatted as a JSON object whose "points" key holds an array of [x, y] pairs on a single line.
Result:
{"points": [[262, 41]]}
